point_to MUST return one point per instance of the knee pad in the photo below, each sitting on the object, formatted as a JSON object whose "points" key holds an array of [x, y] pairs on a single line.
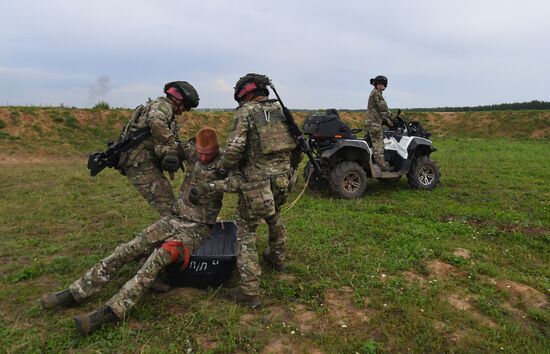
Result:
{"points": [[178, 251]]}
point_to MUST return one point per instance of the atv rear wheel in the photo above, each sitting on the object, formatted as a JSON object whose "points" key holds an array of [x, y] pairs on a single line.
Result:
{"points": [[316, 182], [424, 174], [348, 180]]}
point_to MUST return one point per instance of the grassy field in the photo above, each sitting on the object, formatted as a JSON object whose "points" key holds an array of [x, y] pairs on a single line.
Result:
{"points": [[464, 268]]}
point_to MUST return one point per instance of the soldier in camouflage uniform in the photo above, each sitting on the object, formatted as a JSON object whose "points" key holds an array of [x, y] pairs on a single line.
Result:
{"points": [[144, 165], [378, 113], [170, 239], [260, 146]]}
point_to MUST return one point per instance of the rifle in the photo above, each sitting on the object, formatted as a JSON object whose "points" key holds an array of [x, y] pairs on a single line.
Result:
{"points": [[296, 132], [100, 160]]}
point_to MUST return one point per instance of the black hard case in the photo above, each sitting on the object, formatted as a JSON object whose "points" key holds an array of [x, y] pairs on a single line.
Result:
{"points": [[213, 263]]}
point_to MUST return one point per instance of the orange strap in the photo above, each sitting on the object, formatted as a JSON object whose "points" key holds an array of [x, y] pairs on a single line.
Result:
{"points": [[177, 250]]}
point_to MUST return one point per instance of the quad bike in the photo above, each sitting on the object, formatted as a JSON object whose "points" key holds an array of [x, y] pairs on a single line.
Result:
{"points": [[346, 161]]}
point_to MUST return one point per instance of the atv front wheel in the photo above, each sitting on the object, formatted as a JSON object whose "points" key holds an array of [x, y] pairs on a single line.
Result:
{"points": [[348, 180], [424, 174]]}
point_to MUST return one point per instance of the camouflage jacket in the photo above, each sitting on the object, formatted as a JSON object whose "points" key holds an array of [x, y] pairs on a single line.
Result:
{"points": [[209, 205], [159, 116], [377, 110], [259, 142]]}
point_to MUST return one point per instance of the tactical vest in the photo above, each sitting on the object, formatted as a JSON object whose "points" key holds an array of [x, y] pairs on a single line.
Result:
{"points": [[209, 205], [138, 121], [271, 128]]}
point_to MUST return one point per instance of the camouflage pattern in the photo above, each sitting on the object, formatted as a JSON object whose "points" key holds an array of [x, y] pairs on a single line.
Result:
{"points": [[377, 139], [266, 184], [378, 113], [377, 110], [142, 164], [151, 183], [246, 148], [189, 226]]}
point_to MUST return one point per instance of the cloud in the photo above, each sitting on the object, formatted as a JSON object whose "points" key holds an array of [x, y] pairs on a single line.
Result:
{"points": [[220, 85], [318, 54]]}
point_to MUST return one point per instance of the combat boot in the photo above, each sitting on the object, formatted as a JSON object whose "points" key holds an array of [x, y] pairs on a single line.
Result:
{"points": [[268, 258], [239, 297], [88, 322], [62, 298]]}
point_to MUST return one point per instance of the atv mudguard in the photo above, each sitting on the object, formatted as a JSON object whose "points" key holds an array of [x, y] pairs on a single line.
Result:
{"points": [[348, 150]]}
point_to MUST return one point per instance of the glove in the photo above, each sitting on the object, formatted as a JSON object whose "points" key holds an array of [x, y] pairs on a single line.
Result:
{"points": [[195, 195], [171, 161]]}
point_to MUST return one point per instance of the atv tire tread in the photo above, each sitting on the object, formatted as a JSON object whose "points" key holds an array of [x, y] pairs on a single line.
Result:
{"points": [[338, 175], [413, 174]]}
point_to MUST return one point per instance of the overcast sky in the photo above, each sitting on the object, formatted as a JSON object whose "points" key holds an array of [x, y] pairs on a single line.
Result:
{"points": [[319, 54]]}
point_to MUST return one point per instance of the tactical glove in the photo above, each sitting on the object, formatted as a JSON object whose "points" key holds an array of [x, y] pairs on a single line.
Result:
{"points": [[171, 161], [195, 195]]}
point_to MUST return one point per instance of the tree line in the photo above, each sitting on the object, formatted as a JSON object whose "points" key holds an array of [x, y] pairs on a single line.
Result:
{"points": [[516, 106]]}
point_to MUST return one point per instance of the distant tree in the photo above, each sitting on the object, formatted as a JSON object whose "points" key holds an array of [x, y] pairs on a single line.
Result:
{"points": [[516, 106], [101, 105]]}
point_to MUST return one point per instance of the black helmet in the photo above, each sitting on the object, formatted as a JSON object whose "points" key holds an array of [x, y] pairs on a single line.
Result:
{"points": [[379, 80], [251, 83], [186, 90]]}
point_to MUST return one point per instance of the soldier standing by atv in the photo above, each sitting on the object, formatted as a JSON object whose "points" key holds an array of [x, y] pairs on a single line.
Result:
{"points": [[170, 239], [144, 164], [378, 113], [261, 146]]}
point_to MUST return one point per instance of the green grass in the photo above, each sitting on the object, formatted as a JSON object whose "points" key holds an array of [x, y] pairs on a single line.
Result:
{"points": [[494, 200]]}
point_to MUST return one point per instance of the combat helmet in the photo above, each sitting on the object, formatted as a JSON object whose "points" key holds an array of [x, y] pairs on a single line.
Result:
{"points": [[380, 79], [187, 92], [250, 83]]}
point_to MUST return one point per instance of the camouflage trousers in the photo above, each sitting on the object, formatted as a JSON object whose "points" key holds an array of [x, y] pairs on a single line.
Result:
{"points": [[260, 201], [151, 183], [147, 242], [377, 139]]}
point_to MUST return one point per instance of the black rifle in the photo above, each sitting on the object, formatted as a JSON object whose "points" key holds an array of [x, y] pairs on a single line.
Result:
{"points": [[297, 133], [100, 160]]}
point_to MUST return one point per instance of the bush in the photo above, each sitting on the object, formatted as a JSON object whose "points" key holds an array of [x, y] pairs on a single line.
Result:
{"points": [[2, 124], [101, 105]]}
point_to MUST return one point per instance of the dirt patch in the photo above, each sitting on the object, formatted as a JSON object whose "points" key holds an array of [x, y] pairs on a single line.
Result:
{"points": [[441, 270], [289, 345], [206, 343], [523, 294], [464, 303], [277, 313], [411, 277], [38, 158], [341, 309], [528, 230], [307, 321], [247, 318], [540, 133], [462, 252], [458, 336]]}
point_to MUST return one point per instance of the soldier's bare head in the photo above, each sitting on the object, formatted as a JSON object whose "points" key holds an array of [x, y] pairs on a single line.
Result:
{"points": [[207, 146]]}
